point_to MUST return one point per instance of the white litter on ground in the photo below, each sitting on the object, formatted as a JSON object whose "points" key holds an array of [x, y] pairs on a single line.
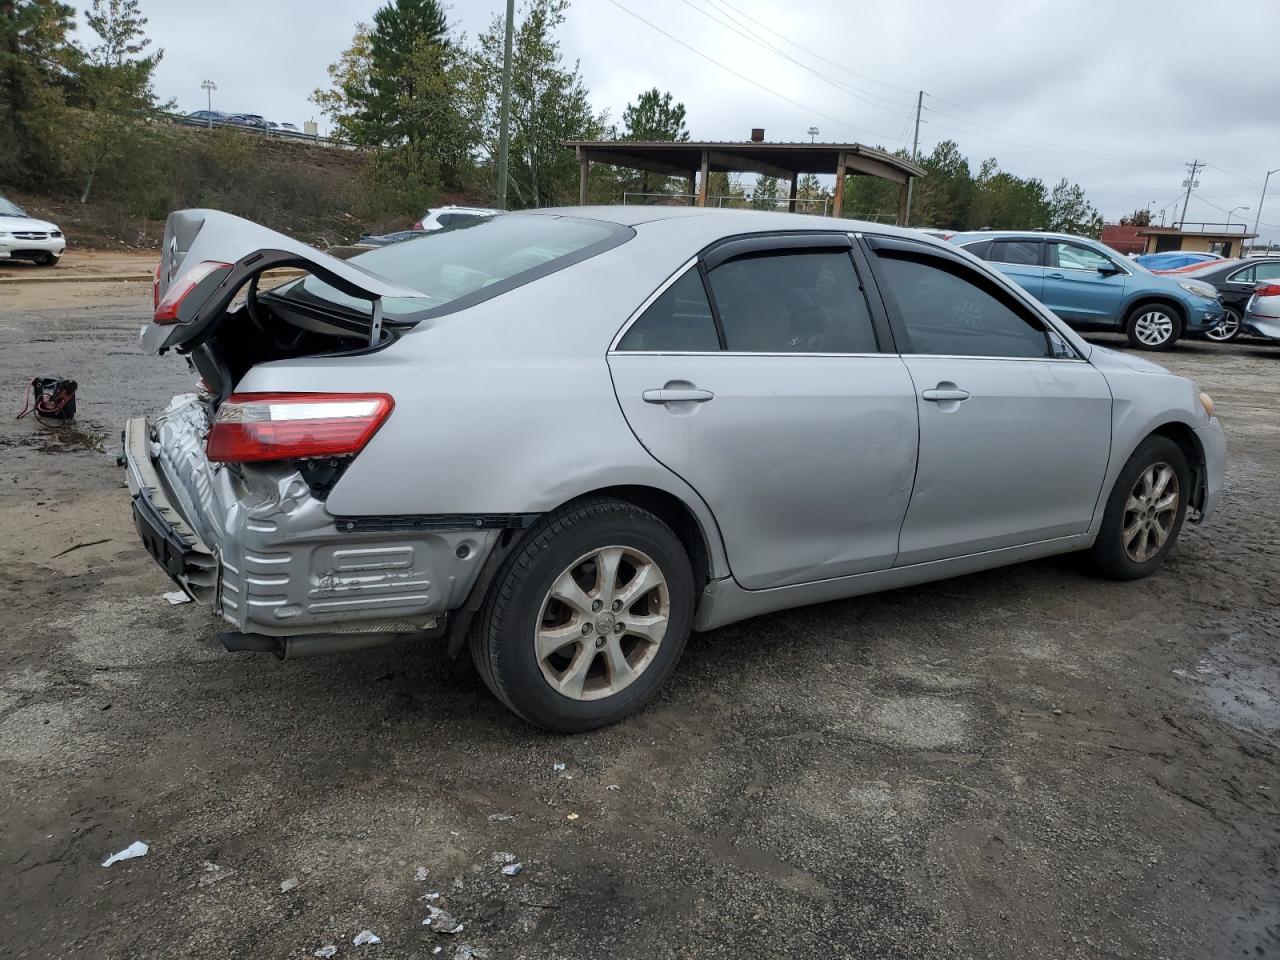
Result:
{"points": [[366, 936], [325, 952], [420, 873], [287, 885], [135, 849], [511, 869], [500, 817], [441, 921], [503, 857], [557, 766], [176, 597], [430, 896]]}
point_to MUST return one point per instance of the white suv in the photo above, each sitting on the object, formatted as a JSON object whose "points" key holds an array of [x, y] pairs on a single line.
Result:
{"points": [[25, 238], [437, 218]]}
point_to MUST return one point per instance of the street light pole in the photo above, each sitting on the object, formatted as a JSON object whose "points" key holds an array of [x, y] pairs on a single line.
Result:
{"points": [[1261, 200], [208, 86], [1229, 213]]}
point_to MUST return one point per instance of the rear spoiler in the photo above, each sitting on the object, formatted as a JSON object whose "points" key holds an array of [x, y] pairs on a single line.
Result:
{"points": [[208, 256]]}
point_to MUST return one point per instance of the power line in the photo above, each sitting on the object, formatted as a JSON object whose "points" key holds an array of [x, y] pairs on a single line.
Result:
{"points": [[812, 53], [744, 77]]}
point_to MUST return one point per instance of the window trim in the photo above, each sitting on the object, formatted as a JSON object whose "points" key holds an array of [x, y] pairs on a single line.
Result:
{"points": [[1010, 294]]}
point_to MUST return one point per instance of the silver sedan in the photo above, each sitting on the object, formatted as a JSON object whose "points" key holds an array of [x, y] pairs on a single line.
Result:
{"points": [[563, 439]]}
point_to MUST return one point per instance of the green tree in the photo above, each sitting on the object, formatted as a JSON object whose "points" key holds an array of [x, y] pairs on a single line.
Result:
{"points": [[37, 63], [942, 198], [349, 86], [654, 117], [765, 194], [549, 104], [115, 92], [810, 188], [1139, 218], [1002, 201], [1071, 212]]}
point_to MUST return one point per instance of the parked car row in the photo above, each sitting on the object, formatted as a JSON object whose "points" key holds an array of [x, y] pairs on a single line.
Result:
{"points": [[254, 121], [23, 237]]}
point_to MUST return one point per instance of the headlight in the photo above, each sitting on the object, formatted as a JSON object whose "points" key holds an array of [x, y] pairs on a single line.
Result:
{"points": [[1206, 401], [1197, 289]]}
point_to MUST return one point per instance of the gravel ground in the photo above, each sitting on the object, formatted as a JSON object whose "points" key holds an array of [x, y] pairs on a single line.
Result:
{"points": [[1022, 763]]}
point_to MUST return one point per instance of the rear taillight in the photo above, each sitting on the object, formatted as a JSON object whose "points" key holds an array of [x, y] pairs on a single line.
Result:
{"points": [[252, 427], [1268, 290], [180, 289]]}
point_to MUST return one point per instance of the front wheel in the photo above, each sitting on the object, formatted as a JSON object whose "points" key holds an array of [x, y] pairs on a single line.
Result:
{"points": [[1228, 327], [587, 617], [1145, 511], [1153, 327]]}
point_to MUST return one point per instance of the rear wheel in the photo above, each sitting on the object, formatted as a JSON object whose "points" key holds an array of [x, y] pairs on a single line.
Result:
{"points": [[1145, 511], [1227, 329], [1153, 326], [587, 618]]}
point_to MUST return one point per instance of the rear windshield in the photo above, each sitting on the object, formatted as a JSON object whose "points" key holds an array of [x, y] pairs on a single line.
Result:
{"points": [[466, 263]]}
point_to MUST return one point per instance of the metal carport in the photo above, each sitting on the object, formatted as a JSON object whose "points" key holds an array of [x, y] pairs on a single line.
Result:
{"points": [[786, 161]]}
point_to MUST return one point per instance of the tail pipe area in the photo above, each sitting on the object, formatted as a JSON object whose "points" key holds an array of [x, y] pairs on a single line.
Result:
{"points": [[319, 644]]}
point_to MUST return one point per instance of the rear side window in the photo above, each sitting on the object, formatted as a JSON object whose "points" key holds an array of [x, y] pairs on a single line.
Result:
{"points": [[679, 321], [803, 302], [948, 309], [469, 262], [1015, 251]]}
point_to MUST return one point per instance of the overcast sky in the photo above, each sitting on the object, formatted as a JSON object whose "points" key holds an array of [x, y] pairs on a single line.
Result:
{"points": [[1117, 96]]}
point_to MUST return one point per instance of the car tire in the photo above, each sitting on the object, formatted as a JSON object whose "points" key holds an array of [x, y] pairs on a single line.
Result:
{"points": [[1121, 552], [1153, 326], [573, 666], [1228, 329], [47, 260]]}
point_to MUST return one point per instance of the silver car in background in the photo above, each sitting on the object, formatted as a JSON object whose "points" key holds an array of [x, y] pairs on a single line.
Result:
{"points": [[565, 438], [1262, 313]]}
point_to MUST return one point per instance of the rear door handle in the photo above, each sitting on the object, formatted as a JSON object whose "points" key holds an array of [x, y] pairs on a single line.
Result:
{"points": [[943, 394], [1055, 276], [677, 395]]}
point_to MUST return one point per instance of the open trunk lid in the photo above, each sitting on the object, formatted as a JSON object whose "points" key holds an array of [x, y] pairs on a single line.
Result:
{"points": [[209, 256]]}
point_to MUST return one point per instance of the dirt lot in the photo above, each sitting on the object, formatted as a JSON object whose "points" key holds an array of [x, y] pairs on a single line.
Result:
{"points": [[1023, 763]]}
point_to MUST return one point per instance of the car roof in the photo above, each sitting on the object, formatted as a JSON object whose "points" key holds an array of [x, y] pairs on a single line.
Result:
{"points": [[731, 221], [975, 235]]}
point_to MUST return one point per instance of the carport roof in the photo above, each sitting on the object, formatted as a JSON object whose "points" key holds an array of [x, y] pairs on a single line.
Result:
{"points": [[782, 160]]}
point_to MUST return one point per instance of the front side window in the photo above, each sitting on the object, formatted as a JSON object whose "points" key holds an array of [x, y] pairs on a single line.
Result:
{"points": [[951, 310], [1256, 273], [1015, 251], [1072, 256], [802, 302], [679, 321]]}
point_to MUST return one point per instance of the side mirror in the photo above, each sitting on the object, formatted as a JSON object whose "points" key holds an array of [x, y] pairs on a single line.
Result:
{"points": [[1108, 269]]}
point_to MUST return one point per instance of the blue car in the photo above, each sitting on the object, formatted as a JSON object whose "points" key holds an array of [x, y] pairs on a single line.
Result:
{"points": [[1092, 287], [1173, 259]]}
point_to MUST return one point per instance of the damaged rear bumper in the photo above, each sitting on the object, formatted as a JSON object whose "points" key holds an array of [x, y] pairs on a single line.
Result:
{"points": [[256, 544]]}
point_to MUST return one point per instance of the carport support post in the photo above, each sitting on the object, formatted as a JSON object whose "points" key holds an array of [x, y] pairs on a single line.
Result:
{"points": [[837, 202], [702, 179], [904, 202], [693, 187], [791, 197], [584, 173]]}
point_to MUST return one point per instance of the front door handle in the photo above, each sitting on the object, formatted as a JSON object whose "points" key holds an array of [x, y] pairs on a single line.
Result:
{"points": [[677, 395], [941, 394], [1054, 276]]}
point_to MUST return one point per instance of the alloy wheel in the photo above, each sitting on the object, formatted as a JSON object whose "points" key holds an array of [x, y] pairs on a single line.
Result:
{"points": [[601, 623], [1153, 328], [1227, 328], [1150, 512]]}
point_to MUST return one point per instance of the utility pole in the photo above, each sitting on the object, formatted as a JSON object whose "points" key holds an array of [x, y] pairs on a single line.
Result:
{"points": [[915, 149], [504, 119], [1190, 182], [1258, 217]]}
